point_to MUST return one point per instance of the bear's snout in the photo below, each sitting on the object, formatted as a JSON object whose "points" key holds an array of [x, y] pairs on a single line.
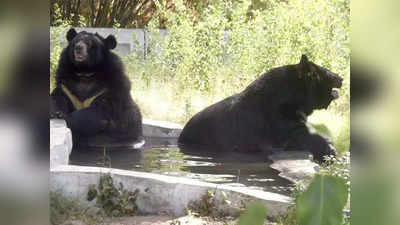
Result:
{"points": [[337, 81], [80, 51]]}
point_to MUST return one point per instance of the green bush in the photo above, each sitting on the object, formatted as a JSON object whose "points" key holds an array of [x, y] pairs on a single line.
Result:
{"points": [[55, 51], [56, 33], [219, 52]]}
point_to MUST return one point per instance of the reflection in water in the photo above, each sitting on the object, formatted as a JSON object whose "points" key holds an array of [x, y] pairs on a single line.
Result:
{"points": [[162, 157]]}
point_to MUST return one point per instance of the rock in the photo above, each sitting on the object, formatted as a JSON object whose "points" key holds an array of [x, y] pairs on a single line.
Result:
{"points": [[294, 166]]}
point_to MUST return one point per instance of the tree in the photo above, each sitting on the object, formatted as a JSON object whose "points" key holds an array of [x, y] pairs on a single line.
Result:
{"points": [[102, 13]]}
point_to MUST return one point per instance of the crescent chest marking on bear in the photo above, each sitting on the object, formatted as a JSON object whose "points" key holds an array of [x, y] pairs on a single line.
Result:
{"points": [[78, 104]]}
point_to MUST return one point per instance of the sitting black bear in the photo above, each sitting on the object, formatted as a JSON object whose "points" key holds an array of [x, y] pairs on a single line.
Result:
{"points": [[270, 113], [93, 93]]}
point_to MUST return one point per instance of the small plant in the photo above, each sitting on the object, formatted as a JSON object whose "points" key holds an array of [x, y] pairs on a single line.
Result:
{"points": [[114, 201], [63, 209], [289, 218], [204, 207], [105, 160], [338, 166]]}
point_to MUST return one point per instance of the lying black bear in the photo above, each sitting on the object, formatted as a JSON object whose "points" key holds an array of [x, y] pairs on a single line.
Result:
{"points": [[270, 113], [93, 93]]}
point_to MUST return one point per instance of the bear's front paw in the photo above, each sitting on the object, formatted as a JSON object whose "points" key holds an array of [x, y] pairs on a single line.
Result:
{"points": [[325, 150]]}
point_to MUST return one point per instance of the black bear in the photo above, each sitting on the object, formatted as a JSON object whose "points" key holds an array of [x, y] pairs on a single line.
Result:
{"points": [[93, 92], [270, 113]]}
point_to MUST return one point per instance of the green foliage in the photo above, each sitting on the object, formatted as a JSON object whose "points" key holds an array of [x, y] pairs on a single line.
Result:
{"points": [[289, 218], [204, 207], [342, 139], [55, 50], [63, 209], [219, 51], [60, 208], [255, 214], [92, 193], [224, 38], [57, 18], [56, 35], [341, 136], [338, 166], [322, 202], [321, 129], [114, 201], [206, 58]]}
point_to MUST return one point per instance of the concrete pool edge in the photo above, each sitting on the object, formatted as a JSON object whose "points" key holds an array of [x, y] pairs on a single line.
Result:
{"points": [[158, 193], [161, 193], [61, 137]]}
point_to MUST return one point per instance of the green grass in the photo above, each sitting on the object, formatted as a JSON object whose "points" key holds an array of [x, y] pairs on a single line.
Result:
{"points": [[337, 124], [165, 100], [63, 209]]}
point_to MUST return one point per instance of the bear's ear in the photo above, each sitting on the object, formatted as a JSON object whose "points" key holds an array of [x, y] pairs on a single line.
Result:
{"points": [[303, 66], [303, 59], [110, 42], [71, 34]]}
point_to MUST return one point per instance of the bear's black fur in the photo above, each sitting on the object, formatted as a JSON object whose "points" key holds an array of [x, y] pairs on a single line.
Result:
{"points": [[270, 113], [93, 93]]}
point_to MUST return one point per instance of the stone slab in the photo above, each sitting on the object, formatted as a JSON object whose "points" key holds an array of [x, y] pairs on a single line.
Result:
{"points": [[294, 165]]}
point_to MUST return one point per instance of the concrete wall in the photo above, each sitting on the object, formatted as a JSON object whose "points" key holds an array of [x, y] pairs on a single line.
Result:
{"points": [[160, 194], [128, 40], [135, 41]]}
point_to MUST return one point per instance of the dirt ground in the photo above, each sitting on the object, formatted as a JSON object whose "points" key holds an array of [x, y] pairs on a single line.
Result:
{"points": [[158, 220]]}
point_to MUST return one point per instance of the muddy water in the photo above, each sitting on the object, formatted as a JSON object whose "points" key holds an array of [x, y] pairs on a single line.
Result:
{"points": [[165, 157]]}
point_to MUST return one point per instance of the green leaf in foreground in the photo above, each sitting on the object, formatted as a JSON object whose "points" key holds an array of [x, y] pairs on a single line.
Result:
{"points": [[254, 215], [322, 202]]}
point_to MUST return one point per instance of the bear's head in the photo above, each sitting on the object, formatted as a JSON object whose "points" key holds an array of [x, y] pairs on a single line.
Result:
{"points": [[320, 83], [87, 50]]}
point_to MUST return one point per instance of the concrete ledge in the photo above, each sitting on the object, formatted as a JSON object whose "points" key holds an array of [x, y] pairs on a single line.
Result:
{"points": [[160, 193], [161, 129], [60, 143]]}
